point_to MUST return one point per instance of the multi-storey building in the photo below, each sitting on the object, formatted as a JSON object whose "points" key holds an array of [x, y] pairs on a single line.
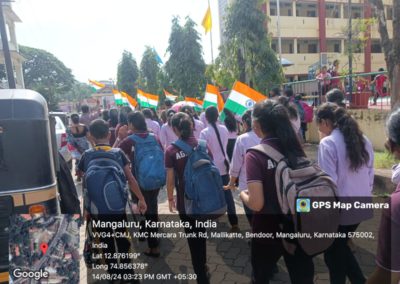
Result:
{"points": [[314, 33]]}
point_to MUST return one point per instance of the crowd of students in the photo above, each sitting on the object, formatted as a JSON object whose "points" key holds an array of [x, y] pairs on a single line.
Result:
{"points": [[344, 153]]}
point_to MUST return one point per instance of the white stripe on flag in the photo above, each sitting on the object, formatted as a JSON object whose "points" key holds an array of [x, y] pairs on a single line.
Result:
{"points": [[241, 99], [212, 98]]}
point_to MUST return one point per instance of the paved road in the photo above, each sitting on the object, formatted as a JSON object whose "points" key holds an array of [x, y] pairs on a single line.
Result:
{"points": [[228, 260]]}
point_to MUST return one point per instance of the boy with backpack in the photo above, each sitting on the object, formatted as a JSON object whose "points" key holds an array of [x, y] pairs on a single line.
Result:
{"points": [[147, 157], [105, 196]]}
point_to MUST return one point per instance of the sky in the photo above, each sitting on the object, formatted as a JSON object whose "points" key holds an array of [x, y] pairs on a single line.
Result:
{"points": [[89, 36]]}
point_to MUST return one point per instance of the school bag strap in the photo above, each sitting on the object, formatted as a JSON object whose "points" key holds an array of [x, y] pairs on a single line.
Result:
{"points": [[269, 151], [185, 147]]}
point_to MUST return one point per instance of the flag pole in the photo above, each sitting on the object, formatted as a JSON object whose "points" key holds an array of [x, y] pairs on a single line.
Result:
{"points": [[211, 40]]}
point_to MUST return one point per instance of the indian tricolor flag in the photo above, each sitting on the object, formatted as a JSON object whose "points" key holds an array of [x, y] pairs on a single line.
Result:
{"points": [[213, 98], [117, 97], [147, 100], [242, 98], [96, 85], [195, 103], [131, 101], [170, 96]]}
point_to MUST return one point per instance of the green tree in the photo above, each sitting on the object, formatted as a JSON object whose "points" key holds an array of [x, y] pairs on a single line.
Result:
{"points": [[44, 73], [391, 47], [149, 71], [78, 92], [127, 74], [185, 66], [247, 54]]}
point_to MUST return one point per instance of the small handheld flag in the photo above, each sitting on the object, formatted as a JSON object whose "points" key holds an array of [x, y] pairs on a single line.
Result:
{"points": [[242, 98], [213, 98], [147, 100], [195, 103], [96, 85], [170, 96]]}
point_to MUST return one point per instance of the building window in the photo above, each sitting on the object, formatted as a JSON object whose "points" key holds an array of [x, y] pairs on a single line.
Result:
{"points": [[312, 48], [357, 11], [306, 10], [376, 46], [389, 13], [302, 77], [357, 46], [307, 46], [285, 8], [273, 9], [332, 10], [334, 46]]}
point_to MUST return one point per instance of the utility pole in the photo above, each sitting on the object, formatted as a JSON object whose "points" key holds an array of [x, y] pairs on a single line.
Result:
{"points": [[278, 10], [6, 49], [350, 50], [211, 39]]}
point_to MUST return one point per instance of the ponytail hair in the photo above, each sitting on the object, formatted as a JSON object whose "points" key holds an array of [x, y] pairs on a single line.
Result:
{"points": [[113, 117], [183, 123], [246, 119], [274, 120], [352, 134], [290, 107], [230, 121]]}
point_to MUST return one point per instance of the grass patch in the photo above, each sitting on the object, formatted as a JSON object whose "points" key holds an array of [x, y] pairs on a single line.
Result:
{"points": [[383, 160]]}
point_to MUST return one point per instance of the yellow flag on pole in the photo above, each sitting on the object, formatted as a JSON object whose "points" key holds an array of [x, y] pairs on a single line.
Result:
{"points": [[207, 21]]}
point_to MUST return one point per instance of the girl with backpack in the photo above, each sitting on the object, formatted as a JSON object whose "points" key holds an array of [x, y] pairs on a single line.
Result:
{"points": [[198, 126], [216, 136], [347, 156], [271, 123], [175, 162], [238, 165], [144, 169], [388, 253]]}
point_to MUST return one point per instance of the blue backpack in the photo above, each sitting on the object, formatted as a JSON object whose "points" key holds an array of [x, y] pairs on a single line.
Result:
{"points": [[204, 194], [149, 162], [106, 191]]}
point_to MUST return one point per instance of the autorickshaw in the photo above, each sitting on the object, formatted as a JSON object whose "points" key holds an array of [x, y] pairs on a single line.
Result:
{"points": [[27, 165]]}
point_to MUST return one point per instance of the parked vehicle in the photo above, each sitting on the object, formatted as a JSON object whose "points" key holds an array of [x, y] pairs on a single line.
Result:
{"points": [[28, 161], [61, 136]]}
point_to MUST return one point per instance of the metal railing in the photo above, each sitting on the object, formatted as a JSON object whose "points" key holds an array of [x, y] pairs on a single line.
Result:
{"points": [[362, 96]]}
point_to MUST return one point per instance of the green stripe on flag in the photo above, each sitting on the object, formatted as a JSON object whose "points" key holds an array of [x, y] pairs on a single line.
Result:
{"points": [[206, 104], [235, 107]]}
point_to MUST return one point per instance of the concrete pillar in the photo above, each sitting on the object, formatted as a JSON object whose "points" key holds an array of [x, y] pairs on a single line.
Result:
{"points": [[322, 25], [294, 8], [19, 74], [367, 47], [341, 10], [13, 36]]}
